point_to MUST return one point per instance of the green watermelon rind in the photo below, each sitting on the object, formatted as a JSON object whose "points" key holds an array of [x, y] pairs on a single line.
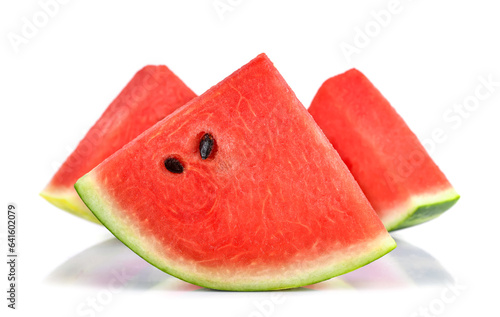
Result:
{"points": [[70, 202], [102, 207], [422, 208]]}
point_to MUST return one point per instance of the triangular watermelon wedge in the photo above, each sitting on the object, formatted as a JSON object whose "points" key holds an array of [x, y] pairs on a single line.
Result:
{"points": [[397, 175], [238, 190], [153, 93]]}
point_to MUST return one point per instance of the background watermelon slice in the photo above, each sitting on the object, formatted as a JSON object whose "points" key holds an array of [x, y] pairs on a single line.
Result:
{"points": [[153, 93], [399, 178], [271, 206]]}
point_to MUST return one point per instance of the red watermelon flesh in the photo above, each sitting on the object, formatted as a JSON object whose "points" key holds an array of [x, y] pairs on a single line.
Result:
{"points": [[270, 205], [153, 93], [399, 178]]}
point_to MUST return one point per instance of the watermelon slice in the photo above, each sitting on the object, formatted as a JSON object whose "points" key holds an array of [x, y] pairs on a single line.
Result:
{"points": [[153, 93], [399, 178], [238, 190]]}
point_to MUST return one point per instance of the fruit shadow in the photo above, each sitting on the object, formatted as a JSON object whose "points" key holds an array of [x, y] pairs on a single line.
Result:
{"points": [[112, 264], [405, 266]]}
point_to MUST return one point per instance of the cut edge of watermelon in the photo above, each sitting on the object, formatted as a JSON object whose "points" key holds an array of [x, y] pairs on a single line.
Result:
{"points": [[69, 201], [420, 209], [358, 255]]}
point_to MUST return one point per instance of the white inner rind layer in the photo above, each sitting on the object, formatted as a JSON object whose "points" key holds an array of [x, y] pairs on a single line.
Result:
{"points": [[395, 218], [69, 201], [298, 273]]}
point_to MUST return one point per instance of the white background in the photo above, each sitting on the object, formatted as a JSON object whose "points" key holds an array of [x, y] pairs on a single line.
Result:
{"points": [[429, 57]]}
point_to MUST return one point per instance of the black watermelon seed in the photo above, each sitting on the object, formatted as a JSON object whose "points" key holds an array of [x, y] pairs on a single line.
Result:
{"points": [[173, 165], [206, 145]]}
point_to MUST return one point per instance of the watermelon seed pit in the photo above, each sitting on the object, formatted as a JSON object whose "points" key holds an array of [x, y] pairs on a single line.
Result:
{"points": [[206, 145], [173, 165]]}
